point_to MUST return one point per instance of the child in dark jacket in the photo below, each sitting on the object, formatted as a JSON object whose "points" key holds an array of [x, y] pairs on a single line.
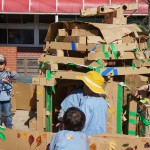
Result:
{"points": [[71, 138]]}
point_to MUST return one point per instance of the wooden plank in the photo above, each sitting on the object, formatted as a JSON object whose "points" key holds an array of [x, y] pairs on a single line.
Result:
{"points": [[40, 108]]}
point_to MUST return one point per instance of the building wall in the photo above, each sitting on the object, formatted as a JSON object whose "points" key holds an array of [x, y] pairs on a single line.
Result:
{"points": [[11, 54], [27, 61]]}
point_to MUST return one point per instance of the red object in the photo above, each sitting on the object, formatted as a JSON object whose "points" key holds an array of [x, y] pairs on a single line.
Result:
{"points": [[16, 5], [18, 135], [31, 139], [0, 5], [38, 140], [95, 3], [143, 7], [63, 6], [43, 6], [68, 6]]}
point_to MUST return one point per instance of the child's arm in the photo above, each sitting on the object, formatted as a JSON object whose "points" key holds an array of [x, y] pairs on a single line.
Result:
{"points": [[13, 75]]}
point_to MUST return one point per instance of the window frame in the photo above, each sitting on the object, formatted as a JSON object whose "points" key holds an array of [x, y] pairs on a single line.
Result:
{"points": [[35, 26]]}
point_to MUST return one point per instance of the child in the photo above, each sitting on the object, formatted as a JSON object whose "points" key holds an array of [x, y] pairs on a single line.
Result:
{"points": [[71, 138], [91, 100], [6, 78]]}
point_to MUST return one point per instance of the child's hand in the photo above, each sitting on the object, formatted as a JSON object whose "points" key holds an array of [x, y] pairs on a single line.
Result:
{"points": [[6, 80], [60, 126], [8, 70]]}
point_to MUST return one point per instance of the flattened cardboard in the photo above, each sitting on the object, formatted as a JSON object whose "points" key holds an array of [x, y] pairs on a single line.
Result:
{"points": [[33, 124], [19, 140], [62, 32], [94, 39], [25, 96], [40, 108], [83, 32], [112, 106], [133, 109], [59, 59]]}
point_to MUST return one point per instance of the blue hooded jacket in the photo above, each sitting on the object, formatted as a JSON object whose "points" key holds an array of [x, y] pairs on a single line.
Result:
{"points": [[5, 87]]}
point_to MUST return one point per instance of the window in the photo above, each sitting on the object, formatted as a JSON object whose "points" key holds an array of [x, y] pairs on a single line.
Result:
{"points": [[27, 68], [42, 35], [46, 19], [13, 18], [97, 19], [20, 36], [2, 18], [3, 37], [24, 30], [27, 19]]}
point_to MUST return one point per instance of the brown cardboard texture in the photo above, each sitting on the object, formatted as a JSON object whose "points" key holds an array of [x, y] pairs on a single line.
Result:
{"points": [[31, 140], [25, 96], [25, 140], [112, 106], [33, 124]]}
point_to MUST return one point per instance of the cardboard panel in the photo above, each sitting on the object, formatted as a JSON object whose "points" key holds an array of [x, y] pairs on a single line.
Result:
{"points": [[40, 107], [112, 109], [16, 6], [17, 139], [43, 6], [25, 96]]}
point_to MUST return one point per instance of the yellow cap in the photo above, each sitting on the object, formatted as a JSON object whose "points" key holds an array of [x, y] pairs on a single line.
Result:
{"points": [[94, 81]]}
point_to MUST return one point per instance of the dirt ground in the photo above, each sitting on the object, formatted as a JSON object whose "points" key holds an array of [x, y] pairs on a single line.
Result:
{"points": [[21, 118]]}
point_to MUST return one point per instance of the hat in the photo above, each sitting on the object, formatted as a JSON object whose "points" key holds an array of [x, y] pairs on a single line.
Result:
{"points": [[2, 58], [94, 81]]}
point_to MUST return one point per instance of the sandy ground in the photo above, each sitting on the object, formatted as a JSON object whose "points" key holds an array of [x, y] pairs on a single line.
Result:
{"points": [[21, 119]]}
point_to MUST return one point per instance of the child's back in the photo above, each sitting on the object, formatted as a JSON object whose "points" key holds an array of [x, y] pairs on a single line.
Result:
{"points": [[69, 140], [71, 137]]}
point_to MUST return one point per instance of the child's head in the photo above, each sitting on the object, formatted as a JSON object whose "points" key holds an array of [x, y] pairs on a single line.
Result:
{"points": [[74, 119], [2, 62]]}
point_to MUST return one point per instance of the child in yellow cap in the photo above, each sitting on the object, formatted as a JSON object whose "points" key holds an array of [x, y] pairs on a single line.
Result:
{"points": [[90, 100]]}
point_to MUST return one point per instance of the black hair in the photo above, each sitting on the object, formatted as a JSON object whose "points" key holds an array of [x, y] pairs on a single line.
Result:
{"points": [[74, 119]]}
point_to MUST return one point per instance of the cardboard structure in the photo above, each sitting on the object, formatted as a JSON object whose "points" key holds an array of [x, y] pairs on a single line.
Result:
{"points": [[31, 140], [116, 50]]}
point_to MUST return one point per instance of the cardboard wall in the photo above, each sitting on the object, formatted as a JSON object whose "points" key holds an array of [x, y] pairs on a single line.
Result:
{"points": [[34, 140], [24, 96]]}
